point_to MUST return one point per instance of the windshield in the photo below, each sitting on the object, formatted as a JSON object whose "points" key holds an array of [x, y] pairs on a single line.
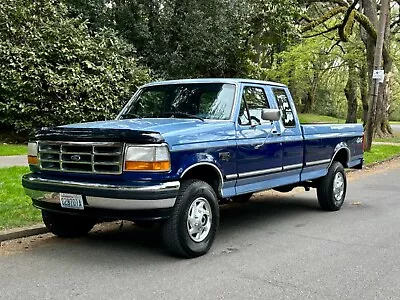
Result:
{"points": [[199, 100]]}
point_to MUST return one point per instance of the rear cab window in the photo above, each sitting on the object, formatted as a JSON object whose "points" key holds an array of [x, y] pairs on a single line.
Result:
{"points": [[282, 100]]}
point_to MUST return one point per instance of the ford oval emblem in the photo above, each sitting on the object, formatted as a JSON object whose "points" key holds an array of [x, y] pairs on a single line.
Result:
{"points": [[75, 157]]}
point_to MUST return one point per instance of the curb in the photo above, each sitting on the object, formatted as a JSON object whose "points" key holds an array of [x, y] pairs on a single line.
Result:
{"points": [[17, 233]]}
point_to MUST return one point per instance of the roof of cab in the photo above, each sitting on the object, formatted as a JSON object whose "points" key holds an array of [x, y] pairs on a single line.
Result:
{"points": [[215, 80]]}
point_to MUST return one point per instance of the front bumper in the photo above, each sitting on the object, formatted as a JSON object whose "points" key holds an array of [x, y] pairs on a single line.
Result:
{"points": [[140, 196]]}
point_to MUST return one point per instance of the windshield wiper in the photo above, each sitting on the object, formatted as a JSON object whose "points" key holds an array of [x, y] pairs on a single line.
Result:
{"points": [[182, 114], [130, 116]]}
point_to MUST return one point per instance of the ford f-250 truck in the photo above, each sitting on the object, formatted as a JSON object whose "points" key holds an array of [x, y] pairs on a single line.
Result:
{"points": [[179, 149]]}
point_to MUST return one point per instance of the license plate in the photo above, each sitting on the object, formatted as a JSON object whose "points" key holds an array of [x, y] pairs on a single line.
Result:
{"points": [[71, 201]]}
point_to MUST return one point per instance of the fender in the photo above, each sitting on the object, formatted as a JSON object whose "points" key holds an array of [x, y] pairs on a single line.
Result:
{"points": [[201, 159], [340, 146]]}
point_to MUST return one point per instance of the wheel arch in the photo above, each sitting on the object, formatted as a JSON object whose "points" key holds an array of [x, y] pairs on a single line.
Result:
{"points": [[341, 154], [207, 172]]}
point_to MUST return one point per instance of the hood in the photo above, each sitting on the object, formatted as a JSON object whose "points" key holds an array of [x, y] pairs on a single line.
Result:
{"points": [[173, 131]]}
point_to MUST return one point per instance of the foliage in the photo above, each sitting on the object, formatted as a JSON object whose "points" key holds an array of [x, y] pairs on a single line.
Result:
{"points": [[314, 71], [6, 149], [200, 38], [178, 39], [78, 60], [15, 207], [55, 72], [270, 27]]}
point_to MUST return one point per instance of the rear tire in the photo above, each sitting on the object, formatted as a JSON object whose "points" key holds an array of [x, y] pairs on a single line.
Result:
{"points": [[67, 226], [190, 231], [331, 190]]}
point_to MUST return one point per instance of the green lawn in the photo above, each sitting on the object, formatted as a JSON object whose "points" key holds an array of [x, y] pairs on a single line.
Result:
{"points": [[313, 118], [387, 140], [380, 153], [10, 149], [15, 207]]}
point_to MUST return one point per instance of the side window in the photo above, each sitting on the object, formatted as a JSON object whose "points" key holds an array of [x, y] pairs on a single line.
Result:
{"points": [[284, 106], [253, 101]]}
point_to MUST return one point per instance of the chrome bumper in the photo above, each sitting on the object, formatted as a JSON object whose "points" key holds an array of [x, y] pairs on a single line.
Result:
{"points": [[106, 196]]}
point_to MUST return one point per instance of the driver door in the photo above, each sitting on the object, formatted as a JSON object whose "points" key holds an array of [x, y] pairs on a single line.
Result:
{"points": [[259, 147]]}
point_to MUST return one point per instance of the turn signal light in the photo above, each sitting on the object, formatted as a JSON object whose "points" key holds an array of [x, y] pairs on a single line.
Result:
{"points": [[147, 166], [33, 160]]}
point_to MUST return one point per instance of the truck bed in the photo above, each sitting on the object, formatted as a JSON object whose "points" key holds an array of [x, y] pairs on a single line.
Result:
{"points": [[322, 141]]}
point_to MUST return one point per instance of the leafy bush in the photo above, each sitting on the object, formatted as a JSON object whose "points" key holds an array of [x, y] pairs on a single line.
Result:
{"points": [[53, 71]]}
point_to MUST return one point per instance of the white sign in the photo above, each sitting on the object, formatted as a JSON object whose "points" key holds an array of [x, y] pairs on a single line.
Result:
{"points": [[379, 74]]}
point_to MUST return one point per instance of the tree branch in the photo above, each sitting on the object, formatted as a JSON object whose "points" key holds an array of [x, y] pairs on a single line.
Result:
{"points": [[344, 34], [331, 13], [322, 32], [336, 44], [339, 2], [371, 31]]}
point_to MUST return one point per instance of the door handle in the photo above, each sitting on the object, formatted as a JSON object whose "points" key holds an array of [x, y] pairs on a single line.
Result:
{"points": [[275, 132]]}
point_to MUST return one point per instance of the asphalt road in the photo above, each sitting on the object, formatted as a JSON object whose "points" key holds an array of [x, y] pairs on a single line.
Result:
{"points": [[396, 127], [275, 247]]}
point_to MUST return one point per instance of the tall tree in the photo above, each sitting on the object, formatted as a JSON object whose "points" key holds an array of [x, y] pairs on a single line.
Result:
{"points": [[345, 14]]}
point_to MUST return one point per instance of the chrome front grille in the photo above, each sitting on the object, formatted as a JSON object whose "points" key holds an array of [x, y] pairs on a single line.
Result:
{"points": [[81, 157]]}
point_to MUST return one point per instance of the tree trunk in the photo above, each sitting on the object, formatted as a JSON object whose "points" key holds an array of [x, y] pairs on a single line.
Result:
{"points": [[350, 91], [368, 66], [376, 114], [308, 102], [383, 128], [309, 99], [364, 92]]}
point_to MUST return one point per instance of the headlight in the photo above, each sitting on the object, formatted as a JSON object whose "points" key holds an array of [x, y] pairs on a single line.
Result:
{"points": [[147, 158], [33, 153]]}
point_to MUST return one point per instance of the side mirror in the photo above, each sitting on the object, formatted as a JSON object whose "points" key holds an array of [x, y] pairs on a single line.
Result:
{"points": [[270, 114]]}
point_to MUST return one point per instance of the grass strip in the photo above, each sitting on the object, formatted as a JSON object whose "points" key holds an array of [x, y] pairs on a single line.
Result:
{"points": [[15, 207], [380, 153], [9, 149], [314, 118], [388, 140]]}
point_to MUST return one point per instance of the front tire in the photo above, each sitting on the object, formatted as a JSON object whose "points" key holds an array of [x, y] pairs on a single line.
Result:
{"points": [[67, 226], [190, 231], [331, 190]]}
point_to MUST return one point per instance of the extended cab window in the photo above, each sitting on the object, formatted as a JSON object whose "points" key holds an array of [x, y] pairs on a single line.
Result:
{"points": [[284, 106], [253, 101]]}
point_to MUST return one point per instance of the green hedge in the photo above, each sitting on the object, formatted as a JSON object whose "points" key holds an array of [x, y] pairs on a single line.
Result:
{"points": [[54, 71]]}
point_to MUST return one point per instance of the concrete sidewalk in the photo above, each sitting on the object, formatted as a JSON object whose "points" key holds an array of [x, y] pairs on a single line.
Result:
{"points": [[11, 161]]}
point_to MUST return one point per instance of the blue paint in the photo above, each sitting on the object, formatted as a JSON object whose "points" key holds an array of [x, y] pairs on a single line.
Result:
{"points": [[251, 149]]}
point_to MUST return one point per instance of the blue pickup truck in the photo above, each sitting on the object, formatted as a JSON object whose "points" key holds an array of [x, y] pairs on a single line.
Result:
{"points": [[179, 149]]}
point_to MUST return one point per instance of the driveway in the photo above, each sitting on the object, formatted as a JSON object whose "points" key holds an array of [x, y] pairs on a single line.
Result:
{"points": [[274, 247]]}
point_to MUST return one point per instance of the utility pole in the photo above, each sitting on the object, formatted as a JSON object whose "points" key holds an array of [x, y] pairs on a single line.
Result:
{"points": [[378, 75]]}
